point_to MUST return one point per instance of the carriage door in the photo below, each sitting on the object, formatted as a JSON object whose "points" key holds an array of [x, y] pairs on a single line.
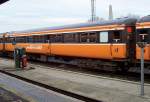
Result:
{"points": [[131, 42], [143, 36], [118, 47]]}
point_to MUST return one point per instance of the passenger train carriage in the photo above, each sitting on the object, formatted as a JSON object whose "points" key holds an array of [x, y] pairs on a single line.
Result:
{"points": [[90, 44], [143, 30]]}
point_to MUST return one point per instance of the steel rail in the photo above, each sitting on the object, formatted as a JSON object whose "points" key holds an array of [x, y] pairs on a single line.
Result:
{"points": [[61, 91]]}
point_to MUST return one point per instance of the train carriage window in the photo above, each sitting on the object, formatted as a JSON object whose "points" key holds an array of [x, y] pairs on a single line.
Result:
{"points": [[103, 37], [52, 38], [77, 37], [93, 37], [143, 35], [30, 39], [59, 38], [117, 36], [46, 38], [84, 37], [12, 39], [56, 38], [20, 40], [38, 39], [69, 37]]}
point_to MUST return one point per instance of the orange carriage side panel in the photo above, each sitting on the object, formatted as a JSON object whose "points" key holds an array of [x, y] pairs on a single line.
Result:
{"points": [[31, 48], [102, 51], [146, 52], [1, 46], [9, 47], [119, 51], [37, 48]]}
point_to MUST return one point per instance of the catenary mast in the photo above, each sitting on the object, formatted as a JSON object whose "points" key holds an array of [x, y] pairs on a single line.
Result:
{"points": [[93, 10], [110, 12]]}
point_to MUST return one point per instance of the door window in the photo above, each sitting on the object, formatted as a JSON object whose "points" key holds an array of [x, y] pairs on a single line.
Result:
{"points": [[143, 35], [116, 37]]}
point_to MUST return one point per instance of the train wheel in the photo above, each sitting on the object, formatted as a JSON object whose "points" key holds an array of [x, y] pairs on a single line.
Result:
{"points": [[124, 67]]}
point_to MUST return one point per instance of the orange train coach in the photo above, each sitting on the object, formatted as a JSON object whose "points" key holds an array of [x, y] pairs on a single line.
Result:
{"points": [[97, 44]]}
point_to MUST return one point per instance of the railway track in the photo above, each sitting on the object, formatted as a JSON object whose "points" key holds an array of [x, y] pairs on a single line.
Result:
{"points": [[131, 77], [68, 69], [67, 93]]}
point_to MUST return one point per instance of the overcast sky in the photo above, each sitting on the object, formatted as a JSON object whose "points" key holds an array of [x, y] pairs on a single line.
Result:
{"points": [[29, 14]]}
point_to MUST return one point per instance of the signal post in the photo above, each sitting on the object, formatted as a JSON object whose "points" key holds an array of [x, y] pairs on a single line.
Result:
{"points": [[142, 45]]}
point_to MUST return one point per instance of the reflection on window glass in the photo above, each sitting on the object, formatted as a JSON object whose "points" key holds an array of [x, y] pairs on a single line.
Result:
{"points": [[93, 37], [103, 37], [69, 37], [84, 37]]}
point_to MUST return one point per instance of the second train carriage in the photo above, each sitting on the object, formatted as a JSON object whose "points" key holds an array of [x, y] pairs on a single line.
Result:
{"points": [[107, 41], [143, 31]]}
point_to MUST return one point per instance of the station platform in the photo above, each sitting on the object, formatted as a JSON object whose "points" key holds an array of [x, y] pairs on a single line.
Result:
{"points": [[97, 87], [7, 96], [14, 90]]}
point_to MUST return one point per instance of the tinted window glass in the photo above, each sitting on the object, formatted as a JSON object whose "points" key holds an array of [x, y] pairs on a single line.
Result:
{"points": [[93, 37], [84, 37]]}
